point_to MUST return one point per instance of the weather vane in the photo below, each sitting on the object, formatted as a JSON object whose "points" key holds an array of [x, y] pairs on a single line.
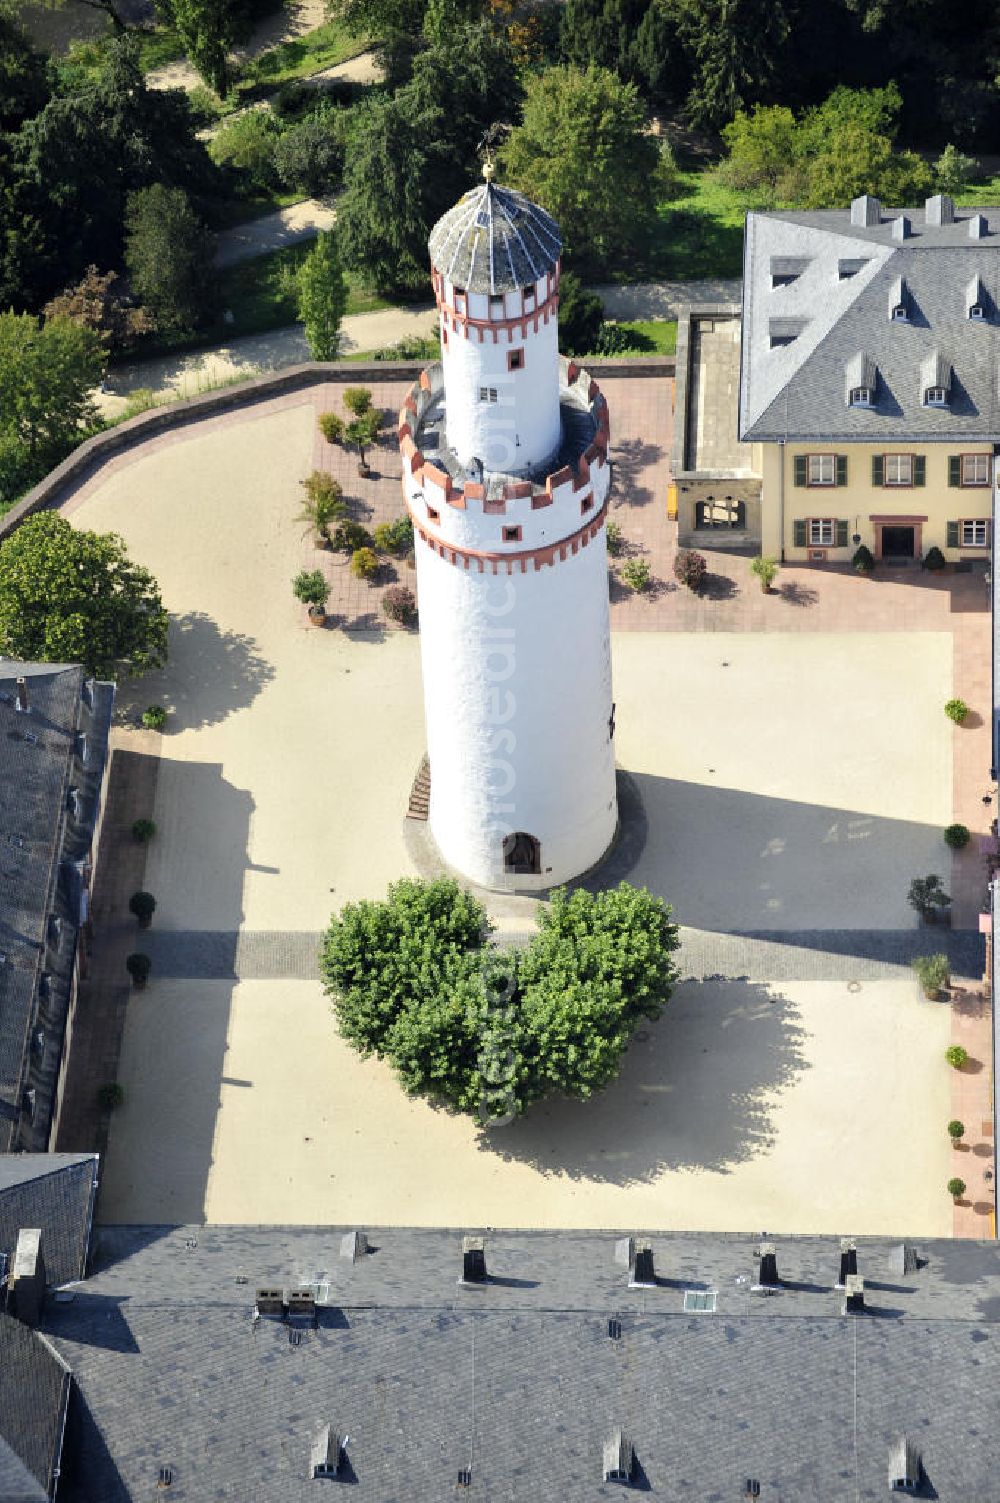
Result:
{"points": [[487, 149]]}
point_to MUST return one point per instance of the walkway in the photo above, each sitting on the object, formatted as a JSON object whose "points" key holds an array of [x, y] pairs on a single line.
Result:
{"points": [[292, 19], [258, 237]]}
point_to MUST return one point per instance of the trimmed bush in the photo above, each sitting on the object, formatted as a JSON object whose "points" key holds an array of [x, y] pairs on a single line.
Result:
{"points": [[110, 1096], [690, 568], [310, 586], [143, 906], [143, 830], [863, 560], [364, 563], [154, 717], [615, 539], [956, 1130], [765, 569], [413, 347], [956, 1188], [956, 1056], [138, 967], [394, 537], [358, 400], [636, 574], [934, 973], [957, 836], [934, 559], [350, 536], [956, 710], [400, 604], [331, 425]]}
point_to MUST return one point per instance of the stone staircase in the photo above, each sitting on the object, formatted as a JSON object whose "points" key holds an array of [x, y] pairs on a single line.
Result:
{"points": [[420, 793]]}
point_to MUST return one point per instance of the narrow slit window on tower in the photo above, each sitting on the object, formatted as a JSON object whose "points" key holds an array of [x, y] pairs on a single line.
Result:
{"points": [[497, 308], [515, 360], [586, 503], [512, 534], [529, 299], [433, 515]]}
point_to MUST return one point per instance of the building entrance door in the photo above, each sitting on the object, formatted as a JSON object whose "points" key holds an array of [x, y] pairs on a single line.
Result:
{"points": [[897, 542]]}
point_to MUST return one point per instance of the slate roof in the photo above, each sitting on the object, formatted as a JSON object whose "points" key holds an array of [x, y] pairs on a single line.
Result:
{"points": [[50, 783], [845, 281], [518, 1380], [34, 1390], [494, 240], [53, 1191]]}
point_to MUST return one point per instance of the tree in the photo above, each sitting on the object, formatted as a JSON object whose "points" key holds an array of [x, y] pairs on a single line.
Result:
{"points": [[170, 256], [96, 303], [582, 152], [735, 49], [248, 144], [47, 376], [381, 217], [309, 156], [953, 170], [68, 596], [581, 314], [24, 87], [397, 25], [764, 155], [208, 30], [322, 289]]}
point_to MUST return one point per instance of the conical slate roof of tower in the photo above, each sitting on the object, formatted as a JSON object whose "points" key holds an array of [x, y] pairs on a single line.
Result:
{"points": [[494, 240]]}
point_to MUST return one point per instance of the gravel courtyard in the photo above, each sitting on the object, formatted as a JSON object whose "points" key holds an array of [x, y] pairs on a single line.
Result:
{"points": [[792, 785]]}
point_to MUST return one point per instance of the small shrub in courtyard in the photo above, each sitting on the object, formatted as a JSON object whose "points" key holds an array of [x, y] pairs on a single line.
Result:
{"points": [[143, 830], [310, 586], [358, 400], [615, 539], [863, 560], [928, 897], [956, 1056], [143, 905], [400, 604], [765, 569], [956, 1188], [934, 559], [690, 568], [154, 717], [331, 425], [110, 1096], [956, 1131], [323, 504], [934, 973], [394, 537], [349, 536], [957, 836], [364, 563], [956, 710], [636, 574], [138, 967]]}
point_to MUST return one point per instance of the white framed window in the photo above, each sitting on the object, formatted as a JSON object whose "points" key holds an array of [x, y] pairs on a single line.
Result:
{"points": [[898, 469], [821, 532], [822, 469], [975, 469], [487, 394], [936, 396], [860, 396], [975, 533]]}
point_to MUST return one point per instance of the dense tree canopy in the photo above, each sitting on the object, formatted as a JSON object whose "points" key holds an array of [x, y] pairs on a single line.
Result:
{"points": [[170, 257], [208, 30], [68, 596], [381, 215], [322, 297], [47, 376], [486, 1031]]}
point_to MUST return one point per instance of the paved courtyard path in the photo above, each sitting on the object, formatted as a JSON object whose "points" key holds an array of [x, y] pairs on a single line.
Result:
{"points": [[301, 221]]}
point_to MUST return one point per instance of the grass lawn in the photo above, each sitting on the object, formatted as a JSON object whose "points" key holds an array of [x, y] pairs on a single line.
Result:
{"points": [[226, 213], [698, 233], [324, 47], [653, 336], [986, 191]]}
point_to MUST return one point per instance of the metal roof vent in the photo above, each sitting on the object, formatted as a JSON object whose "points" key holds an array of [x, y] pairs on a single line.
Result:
{"points": [[848, 1260], [353, 1245], [939, 210], [853, 1302], [641, 1274], [473, 1260], [767, 1277], [979, 227], [619, 1458], [866, 210], [901, 228], [327, 1453], [905, 1467], [166, 1477]]}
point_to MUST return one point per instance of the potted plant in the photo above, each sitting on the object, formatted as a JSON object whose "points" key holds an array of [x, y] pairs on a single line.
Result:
{"points": [[364, 563], [143, 905], [350, 536], [324, 503], [394, 537], [310, 586], [110, 1096], [362, 433], [615, 539], [956, 1189], [357, 400], [636, 574], [956, 1056], [154, 717], [956, 1132], [143, 830], [929, 898], [331, 425], [957, 836], [956, 710], [765, 569], [690, 568], [138, 967], [400, 604], [934, 559], [934, 974], [863, 561]]}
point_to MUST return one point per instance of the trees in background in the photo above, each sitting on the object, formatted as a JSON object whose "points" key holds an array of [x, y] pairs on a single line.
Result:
{"points": [[381, 214], [322, 289], [97, 303], [581, 314], [170, 257], [68, 596], [208, 29], [47, 376]]}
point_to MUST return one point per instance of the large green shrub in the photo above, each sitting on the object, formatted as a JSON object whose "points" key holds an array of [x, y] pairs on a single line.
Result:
{"points": [[415, 981], [933, 972]]}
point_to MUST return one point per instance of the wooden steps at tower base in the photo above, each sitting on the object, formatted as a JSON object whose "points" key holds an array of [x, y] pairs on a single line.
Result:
{"points": [[420, 793]]}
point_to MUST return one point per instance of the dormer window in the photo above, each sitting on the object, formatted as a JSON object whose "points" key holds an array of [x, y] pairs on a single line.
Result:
{"points": [[849, 267], [860, 396], [977, 312], [786, 269], [899, 313], [975, 300], [860, 376], [936, 396], [935, 381], [898, 302]]}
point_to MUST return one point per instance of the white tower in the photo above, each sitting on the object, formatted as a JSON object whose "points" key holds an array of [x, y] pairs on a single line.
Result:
{"points": [[505, 473]]}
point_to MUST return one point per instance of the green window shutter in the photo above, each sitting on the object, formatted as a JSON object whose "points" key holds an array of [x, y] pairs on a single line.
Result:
{"points": [[952, 535], [919, 469], [954, 469], [841, 469], [800, 533], [878, 469], [841, 534], [801, 472]]}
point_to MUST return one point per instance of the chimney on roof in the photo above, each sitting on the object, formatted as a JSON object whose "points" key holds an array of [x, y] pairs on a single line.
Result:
{"points": [[327, 1453], [473, 1260], [270, 1303], [301, 1305], [625, 1251], [854, 1295], [26, 1285], [768, 1277], [939, 210], [619, 1458], [904, 1466], [848, 1260], [353, 1245], [866, 210], [22, 706], [641, 1274], [903, 1259], [901, 228], [979, 227]]}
